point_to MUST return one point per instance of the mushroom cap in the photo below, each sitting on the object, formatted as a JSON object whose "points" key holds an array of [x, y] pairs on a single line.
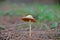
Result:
{"points": [[28, 18]]}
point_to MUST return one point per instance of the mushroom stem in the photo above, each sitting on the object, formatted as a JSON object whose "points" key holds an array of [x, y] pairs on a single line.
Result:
{"points": [[30, 28]]}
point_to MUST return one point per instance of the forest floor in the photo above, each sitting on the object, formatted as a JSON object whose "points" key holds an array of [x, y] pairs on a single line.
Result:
{"points": [[12, 32]]}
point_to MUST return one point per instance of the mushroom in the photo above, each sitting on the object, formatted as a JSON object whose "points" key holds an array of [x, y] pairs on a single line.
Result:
{"points": [[29, 18]]}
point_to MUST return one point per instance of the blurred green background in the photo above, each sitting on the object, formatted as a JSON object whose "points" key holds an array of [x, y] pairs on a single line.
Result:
{"points": [[42, 11]]}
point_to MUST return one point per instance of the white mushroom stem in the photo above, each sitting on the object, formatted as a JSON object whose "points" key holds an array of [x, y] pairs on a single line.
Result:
{"points": [[30, 28]]}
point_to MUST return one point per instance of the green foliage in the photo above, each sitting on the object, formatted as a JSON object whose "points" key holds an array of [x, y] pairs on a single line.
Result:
{"points": [[46, 14], [2, 27], [50, 16], [21, 11], [9, 12], [1, 13], [40, 12], [54, 25]]}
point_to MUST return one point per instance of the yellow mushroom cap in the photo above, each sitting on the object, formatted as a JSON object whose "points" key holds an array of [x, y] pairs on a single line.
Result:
{"points": [[28, 18]]}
